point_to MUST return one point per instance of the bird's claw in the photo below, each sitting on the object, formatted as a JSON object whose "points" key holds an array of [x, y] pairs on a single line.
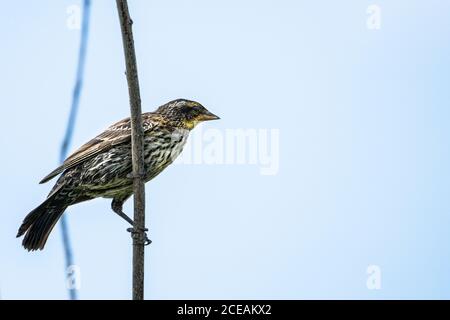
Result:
{"points": [[147, 241], [137, 233], [131, 175]]}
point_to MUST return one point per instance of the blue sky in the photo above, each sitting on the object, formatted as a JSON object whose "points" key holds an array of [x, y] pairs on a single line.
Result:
{"points": [[362, 117]]}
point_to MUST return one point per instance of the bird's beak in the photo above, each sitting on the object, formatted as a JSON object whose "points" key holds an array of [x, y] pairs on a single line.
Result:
{"points": [[207, 116]]}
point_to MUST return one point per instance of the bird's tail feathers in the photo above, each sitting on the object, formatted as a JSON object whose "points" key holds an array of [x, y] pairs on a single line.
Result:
{"points": [[38, 224]]}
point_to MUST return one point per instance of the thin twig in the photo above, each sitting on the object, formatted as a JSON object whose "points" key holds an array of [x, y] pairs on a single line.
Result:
{"points": [[137, 146], [68, 254]]}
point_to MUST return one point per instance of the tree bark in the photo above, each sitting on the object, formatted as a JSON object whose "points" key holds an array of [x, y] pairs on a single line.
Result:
{"points": [[137, 146]]}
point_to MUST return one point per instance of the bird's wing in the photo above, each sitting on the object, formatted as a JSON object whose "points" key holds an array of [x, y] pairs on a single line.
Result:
{"points": [[118, 133]]}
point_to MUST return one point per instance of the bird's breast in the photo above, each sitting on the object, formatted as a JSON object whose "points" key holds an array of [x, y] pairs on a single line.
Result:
{"points": [[162, 148]]}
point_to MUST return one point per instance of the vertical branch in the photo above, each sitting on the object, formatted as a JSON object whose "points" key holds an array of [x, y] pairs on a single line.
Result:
{"points": [[70, 128], [137, 146]]}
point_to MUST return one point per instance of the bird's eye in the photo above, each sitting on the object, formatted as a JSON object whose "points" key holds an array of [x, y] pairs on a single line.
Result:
{"points": [[185, 109]]}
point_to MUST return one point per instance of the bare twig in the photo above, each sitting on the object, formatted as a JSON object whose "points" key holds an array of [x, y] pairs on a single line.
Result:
{"points": [[137, 145], [68, 253]]}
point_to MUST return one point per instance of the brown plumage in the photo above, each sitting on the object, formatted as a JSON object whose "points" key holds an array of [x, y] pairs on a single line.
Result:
{"points": [[102, 167]]}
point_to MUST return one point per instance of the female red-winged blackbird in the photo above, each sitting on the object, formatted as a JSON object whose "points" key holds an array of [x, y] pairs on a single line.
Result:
{"points": [[102, 167]]}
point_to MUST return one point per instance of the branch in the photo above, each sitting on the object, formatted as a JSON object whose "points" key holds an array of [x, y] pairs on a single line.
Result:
{"points": [[137, 147], [68, 253]]}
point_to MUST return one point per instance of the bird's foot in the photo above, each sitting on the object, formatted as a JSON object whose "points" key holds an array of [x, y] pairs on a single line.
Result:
{"points": [[141, 235], [131, 175]]}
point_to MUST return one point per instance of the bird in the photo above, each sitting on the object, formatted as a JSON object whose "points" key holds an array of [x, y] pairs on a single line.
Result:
{"points": [[103, 166]]}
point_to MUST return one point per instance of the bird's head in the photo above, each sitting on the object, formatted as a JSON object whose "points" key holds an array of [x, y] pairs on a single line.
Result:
{"points": [[186, 113]]}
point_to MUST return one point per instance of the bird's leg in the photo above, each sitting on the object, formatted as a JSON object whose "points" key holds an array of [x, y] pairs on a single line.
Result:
{"points": [[116, 206], [137, 233]]}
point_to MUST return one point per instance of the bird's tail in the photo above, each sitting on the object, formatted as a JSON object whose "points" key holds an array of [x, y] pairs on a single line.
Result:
{"points": [[38, 224]]}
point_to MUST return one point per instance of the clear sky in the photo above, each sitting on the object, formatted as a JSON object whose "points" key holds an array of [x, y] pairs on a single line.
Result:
{"points": [[359, 147]]}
